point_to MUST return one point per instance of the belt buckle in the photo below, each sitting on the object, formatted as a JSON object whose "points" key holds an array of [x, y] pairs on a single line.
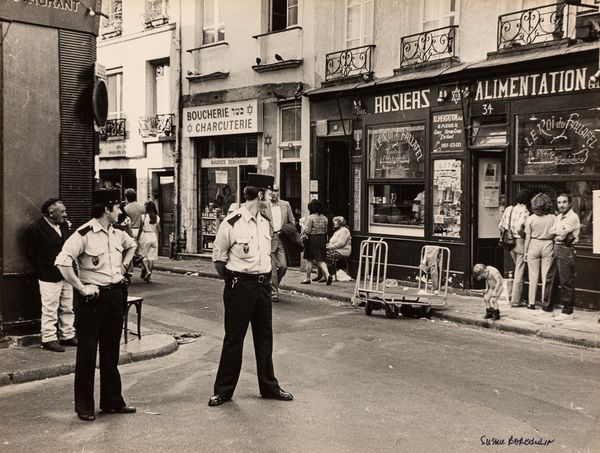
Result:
{"points": [[261, 278]]}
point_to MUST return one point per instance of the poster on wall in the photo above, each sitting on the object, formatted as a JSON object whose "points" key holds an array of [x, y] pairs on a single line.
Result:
{"points": [[356, 205], [221, 177], [491, 188]]}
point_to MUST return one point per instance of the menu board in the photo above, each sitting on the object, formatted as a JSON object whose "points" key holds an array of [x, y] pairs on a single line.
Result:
{"points": [[448, 132]]}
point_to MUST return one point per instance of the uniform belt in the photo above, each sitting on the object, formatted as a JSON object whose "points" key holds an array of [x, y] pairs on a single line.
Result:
{"points": [[260, 278], [111, 286]]}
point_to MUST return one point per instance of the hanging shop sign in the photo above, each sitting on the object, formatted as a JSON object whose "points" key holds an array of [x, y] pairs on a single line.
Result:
{"points": [[242, 117], [536, 84], [66, 14], [448, 132]]}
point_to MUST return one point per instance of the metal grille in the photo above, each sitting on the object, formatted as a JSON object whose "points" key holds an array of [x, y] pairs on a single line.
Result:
{"points": [[77, 56]]}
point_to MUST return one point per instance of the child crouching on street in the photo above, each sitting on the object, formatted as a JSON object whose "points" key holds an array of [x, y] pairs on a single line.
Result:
{"points": [[494, 284]]}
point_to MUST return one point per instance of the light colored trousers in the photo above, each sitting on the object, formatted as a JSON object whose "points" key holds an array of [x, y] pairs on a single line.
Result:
{"points": [[57, 306], [539, 258], [519, 277], [278, 263]]}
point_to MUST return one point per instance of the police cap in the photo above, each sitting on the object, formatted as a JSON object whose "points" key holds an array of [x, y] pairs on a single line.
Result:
{"points": [[106, 196], [261, 181]]}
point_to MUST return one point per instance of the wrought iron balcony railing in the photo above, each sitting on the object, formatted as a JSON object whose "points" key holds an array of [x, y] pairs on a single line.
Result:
{"points": [[113, 25], [534, 25], [429, 45], [156, 13], [113, 129], [157, 125], [349, 62]]}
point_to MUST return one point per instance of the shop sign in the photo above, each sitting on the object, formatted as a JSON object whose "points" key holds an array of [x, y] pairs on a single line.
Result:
{"points": [[410, 100], [232, 162], [64, 14], [111, 150], [536, 84], [242, 117], [447, 130]]}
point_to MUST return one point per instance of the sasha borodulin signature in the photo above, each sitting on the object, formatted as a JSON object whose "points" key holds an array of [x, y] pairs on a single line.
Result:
{"points": [[515, 441]]}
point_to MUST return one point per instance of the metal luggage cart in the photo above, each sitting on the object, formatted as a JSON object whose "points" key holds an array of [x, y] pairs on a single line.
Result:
{"points": [[371, 282]]}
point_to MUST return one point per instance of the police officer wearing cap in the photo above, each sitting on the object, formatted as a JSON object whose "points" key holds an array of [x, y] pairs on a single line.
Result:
{"points": [[102, 255], [242, 257]]}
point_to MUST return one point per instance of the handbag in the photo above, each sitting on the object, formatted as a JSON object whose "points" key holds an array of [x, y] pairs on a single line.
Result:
{"points": [[507, 239]]}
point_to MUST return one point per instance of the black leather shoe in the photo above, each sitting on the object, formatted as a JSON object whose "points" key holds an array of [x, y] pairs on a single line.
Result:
{"points": [[280, 395], [329, 279], [86, 417], [69, 342], [217, 400], [120, 410], [53, 346]]}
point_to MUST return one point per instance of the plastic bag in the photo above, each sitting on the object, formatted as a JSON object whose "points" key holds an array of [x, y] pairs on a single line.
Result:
{"points": [[341, 276]]}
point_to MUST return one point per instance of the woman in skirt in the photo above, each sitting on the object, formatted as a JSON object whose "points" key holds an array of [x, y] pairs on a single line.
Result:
{"points": [[148, 242], [315, 239]]}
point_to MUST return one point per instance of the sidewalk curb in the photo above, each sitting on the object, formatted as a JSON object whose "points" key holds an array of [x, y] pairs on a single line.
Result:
{"points": [[466, 320], [125, 357]]}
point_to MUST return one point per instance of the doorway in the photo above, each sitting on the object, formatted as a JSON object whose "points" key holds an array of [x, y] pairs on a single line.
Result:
{"points": [[489, 197], [289, 190], [166, 210], [334, 179]]}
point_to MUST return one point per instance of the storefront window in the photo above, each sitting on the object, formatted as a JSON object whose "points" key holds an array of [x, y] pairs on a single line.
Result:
{"points": [[228, 146], [581, 201], [397, 152], [558, 143], [447, 197]]}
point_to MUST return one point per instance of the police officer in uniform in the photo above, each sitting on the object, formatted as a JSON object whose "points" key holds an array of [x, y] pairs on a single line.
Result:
{"points": [[102, 255], [242, 257]]}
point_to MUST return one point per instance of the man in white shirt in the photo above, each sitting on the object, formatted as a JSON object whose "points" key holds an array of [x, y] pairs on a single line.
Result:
{"points": [[280, 213], [566, 230]]}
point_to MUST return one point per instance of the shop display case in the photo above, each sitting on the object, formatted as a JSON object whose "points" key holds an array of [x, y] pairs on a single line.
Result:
{"points": [[447, 197]]}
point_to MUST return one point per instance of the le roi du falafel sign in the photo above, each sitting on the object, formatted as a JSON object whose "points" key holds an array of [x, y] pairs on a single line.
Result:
{"points": [[241, 117]]}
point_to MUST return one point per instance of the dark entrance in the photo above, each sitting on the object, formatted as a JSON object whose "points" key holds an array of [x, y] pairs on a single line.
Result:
{"points": [[334, 178], [289, 190], [164, 182], [489, 194]]}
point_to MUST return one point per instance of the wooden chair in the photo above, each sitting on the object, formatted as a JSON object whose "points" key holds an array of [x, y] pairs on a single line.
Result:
{"points": [[137, 302]]}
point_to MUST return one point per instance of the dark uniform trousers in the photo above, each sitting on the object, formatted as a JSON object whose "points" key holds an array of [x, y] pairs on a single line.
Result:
{"points": [[98, 322], [563, 263], [248, 301]]}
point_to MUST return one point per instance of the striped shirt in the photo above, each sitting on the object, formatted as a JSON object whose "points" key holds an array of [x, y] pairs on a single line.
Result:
{"points": [[519, 216]]}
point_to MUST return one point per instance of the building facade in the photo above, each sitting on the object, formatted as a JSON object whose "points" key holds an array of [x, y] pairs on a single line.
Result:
{"points": [[139, 48], [430, 128], [47, 116]]}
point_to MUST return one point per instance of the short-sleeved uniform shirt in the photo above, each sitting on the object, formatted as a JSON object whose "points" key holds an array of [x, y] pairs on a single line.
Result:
{"points": [[243, 242], [98, 253]]}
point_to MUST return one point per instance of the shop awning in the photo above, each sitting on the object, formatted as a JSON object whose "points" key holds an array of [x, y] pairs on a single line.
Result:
{"points": [[458, 70]]}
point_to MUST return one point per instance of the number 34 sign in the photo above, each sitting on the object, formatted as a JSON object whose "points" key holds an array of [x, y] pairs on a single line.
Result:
{"points": [[489, 108]]}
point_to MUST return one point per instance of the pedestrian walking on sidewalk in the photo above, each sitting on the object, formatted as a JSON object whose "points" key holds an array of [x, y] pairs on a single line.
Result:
{"points": [[565, 232], [494, 285], [102, 255], [517, 216], [280, 213], [135, 210], [44, 240], [148, 242], [539, 248], [242, 257], [315, 237]]}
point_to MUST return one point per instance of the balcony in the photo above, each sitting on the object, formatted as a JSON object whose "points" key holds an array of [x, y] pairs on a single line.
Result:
{"points": [[113, 130], [278, 50], [429, 46], [543, 24], [157, 126], [156, 13], [350, 63], [112, 25]]}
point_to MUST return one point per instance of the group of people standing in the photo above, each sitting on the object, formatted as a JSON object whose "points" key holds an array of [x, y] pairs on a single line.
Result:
{"points": [[544, 244], [83, 288]]}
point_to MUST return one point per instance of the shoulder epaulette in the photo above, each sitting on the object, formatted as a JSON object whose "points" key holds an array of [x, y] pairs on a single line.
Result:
{"points": [[85, 230], [234, 219]]}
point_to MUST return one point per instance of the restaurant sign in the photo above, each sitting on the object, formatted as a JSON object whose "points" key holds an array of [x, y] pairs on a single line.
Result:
{"points": [[242, 117], [65, 14]]}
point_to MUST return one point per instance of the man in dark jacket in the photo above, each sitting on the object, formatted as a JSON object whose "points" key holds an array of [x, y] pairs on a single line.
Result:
{"points": [[45, 239]]}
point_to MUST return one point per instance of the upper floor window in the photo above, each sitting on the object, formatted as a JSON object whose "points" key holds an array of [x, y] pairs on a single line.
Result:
{"points": [[290, 131], [213, 27], [359, 23], [161, 88], [114, 85], [156, 13], [284, 14], [111, 25], [439, 13]]}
